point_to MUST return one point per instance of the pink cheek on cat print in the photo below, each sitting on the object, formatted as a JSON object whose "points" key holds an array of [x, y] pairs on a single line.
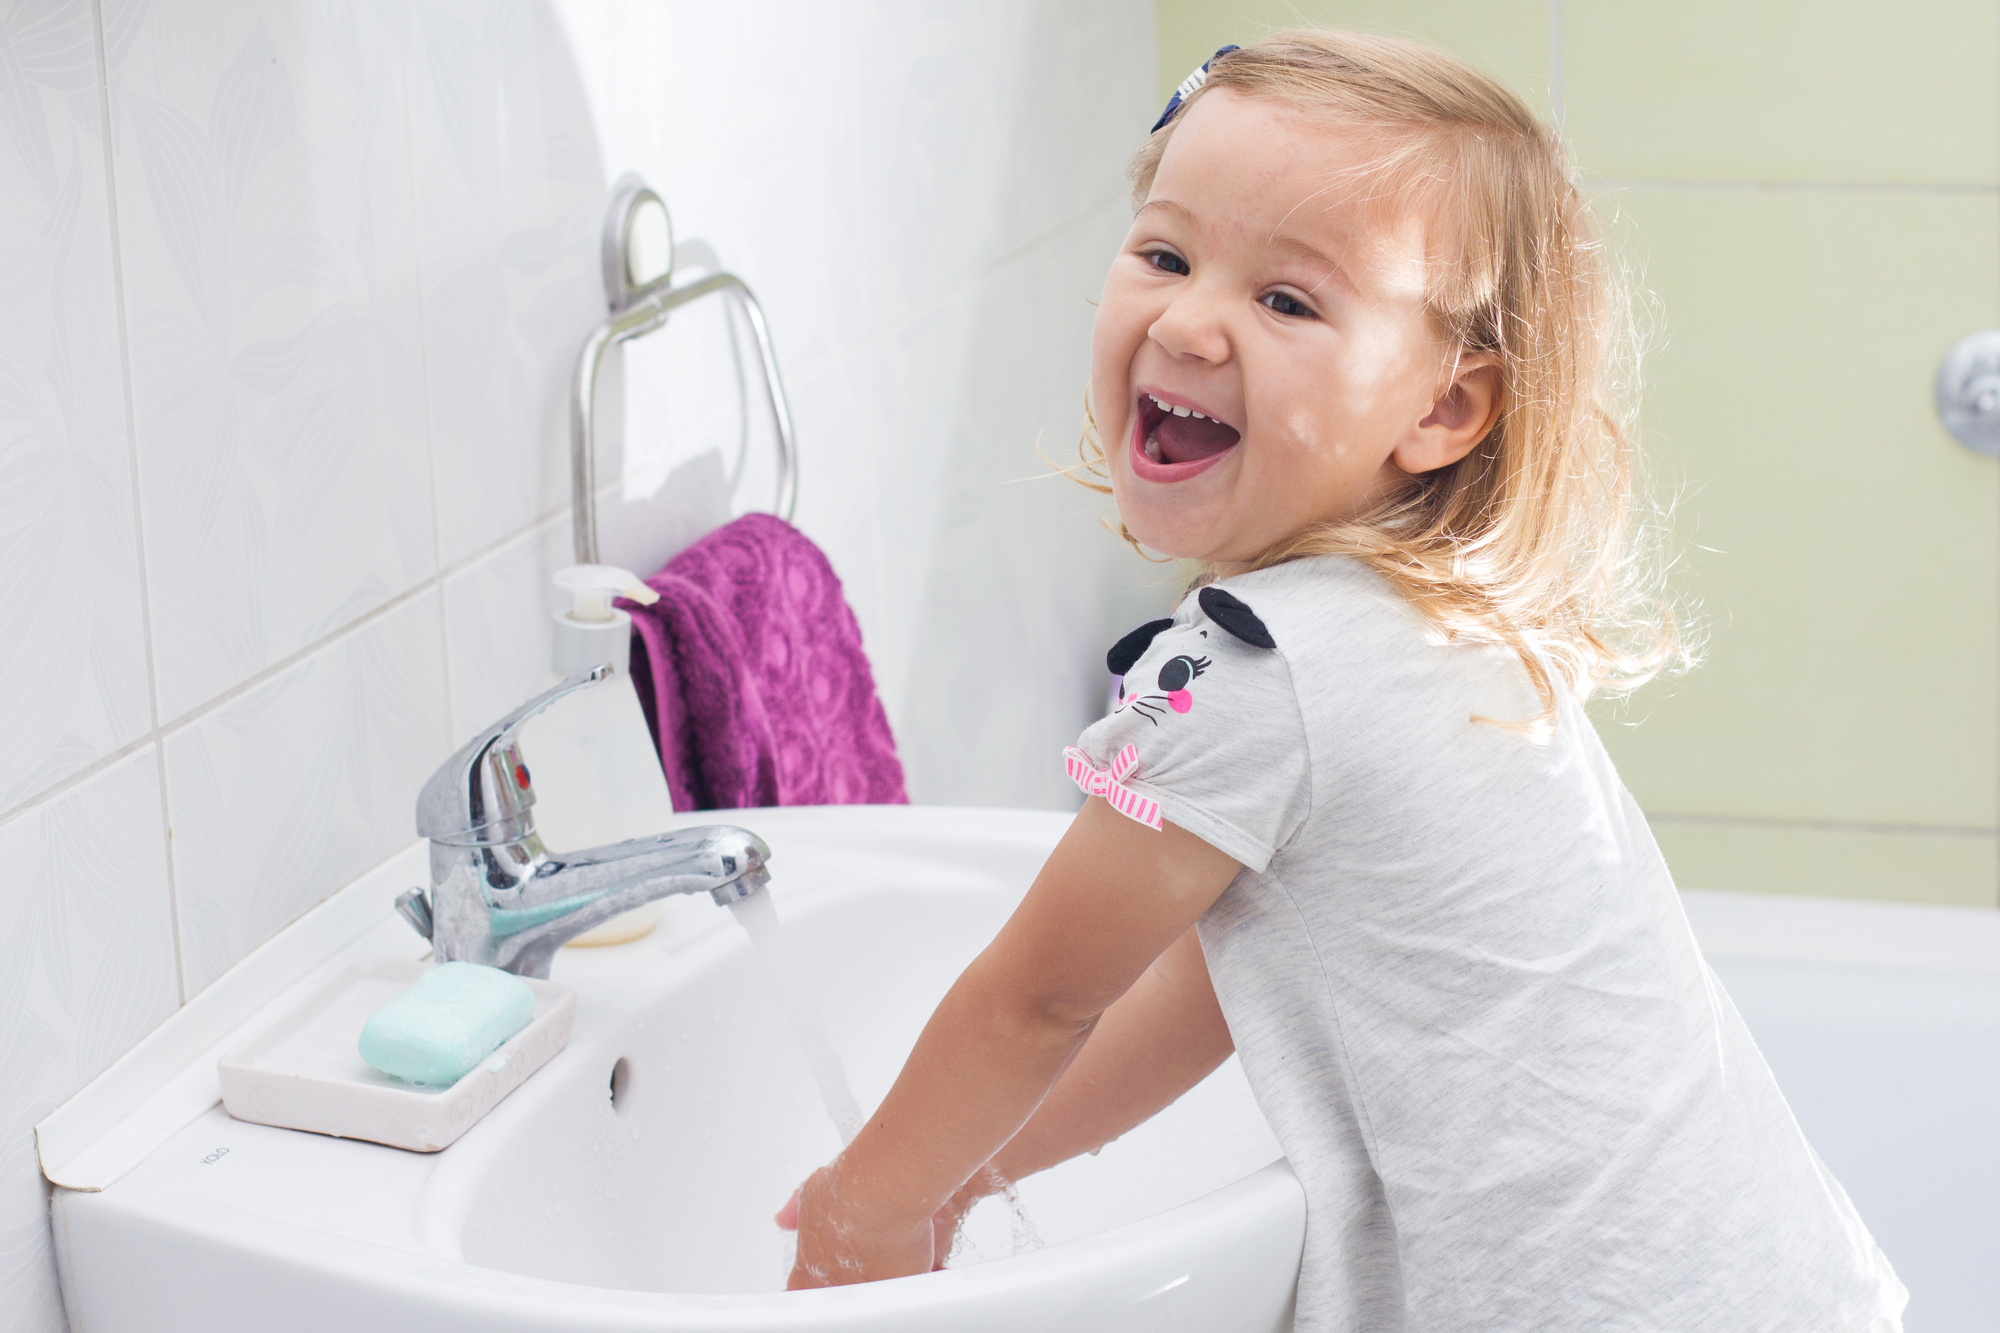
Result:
{"points": [[1180, 700]]}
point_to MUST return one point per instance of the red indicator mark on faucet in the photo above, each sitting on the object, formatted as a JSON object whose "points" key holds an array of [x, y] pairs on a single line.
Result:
{"points": [[521, 776]]}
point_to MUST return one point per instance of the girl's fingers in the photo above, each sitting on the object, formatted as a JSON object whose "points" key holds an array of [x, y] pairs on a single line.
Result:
{"points": [[788, 1216], [832, 1252]]}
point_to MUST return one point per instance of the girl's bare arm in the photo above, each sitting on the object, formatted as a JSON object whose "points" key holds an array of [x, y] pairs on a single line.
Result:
{"points": [[1113, 897], [1161, 1038]]}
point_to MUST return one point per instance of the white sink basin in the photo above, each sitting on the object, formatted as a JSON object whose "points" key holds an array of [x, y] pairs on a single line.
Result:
{"points": [[566, 1210]]}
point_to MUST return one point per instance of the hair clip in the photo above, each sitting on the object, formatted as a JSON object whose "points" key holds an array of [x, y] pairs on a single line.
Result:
{"points": [[1188, 87]]}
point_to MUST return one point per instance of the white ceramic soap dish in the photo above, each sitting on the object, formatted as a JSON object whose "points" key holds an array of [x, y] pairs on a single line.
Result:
{"points": [[303, 1071]]}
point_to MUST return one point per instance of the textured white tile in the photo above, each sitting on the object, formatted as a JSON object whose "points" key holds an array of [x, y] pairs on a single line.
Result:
{"points": [[921, 195], [72, 650], [499, 610], [498, 627], [86, 969], [925, 240], [287, 792], [687, 414], [1019, 555], [984, 566], [1040, 122], [913, 146], [741, 117], [262, 161], [511, 196]]}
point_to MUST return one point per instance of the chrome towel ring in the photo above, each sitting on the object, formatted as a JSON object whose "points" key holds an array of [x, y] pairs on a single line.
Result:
{"points": [[638, 272]]}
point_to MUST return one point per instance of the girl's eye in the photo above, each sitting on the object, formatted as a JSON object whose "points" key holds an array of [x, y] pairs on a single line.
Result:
{"points": [[1288, 305], [1168, 262]]}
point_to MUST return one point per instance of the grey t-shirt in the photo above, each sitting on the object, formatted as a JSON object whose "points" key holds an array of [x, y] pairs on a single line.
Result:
{"points": [[1465, 993]]}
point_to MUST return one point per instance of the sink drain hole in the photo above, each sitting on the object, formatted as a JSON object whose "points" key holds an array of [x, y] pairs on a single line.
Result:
{"points": [[621, 1086]]}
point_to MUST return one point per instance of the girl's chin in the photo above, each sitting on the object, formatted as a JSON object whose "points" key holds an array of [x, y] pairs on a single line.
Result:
{"points": [[1165, 534]]}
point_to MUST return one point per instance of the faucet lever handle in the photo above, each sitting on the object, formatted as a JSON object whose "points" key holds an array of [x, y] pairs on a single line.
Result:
{"points": [[482, 793]]}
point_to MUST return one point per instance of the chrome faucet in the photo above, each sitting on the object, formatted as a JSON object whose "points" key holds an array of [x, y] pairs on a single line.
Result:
{"points": [[499, 897]]}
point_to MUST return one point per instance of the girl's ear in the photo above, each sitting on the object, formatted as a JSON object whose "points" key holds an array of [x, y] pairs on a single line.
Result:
{"points": [[1457, 421]]}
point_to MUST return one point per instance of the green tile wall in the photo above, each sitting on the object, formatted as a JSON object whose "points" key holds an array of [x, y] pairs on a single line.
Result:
{"points": [[1810, 195], [1911, 865], [1508, 38], [1847, 552], [1779, 90]]}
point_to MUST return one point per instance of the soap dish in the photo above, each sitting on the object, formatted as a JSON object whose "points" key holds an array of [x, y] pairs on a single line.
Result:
{"points": [[303, 1071]]}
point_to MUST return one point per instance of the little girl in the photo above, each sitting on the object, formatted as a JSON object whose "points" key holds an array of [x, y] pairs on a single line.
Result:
{"points": [[1349, 819]]}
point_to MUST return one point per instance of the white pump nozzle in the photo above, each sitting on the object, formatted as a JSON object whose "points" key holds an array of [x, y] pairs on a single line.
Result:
{"points": [[591, 588]]}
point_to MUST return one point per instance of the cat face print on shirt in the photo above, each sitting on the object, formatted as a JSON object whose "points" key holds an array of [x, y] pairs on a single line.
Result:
{"points": [[1175, 675], [1170, 683]]}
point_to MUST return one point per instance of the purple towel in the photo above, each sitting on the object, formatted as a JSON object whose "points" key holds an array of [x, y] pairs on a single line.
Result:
{"points": [[753, 679]]}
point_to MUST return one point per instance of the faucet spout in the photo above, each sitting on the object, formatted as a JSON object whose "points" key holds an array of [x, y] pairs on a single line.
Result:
{"points": [[500, 898], [514, 909]]}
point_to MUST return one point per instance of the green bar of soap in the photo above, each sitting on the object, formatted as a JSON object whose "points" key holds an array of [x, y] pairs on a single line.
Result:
{"points": [[456, 1015]]}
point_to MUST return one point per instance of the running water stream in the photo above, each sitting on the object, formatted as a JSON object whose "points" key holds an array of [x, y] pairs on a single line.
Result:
{"points": [[758, 915]]}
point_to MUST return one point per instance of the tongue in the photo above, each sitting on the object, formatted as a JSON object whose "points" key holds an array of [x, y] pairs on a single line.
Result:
{"points": [[1190, 439]]}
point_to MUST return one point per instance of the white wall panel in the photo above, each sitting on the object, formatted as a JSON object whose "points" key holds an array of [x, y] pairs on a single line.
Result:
{"points": [[510, 200], [262, 164], [926, 214], [86, 969], [1019, 591], [359, 248], [73, 683], [500, 627], [290, 790]]}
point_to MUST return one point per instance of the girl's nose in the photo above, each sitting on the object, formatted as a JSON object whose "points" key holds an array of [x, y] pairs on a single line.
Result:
{"points": [[1192, 326]]}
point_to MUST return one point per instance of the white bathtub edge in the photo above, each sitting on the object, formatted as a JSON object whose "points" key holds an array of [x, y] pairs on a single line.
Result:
{"points": [[1847, 932]]}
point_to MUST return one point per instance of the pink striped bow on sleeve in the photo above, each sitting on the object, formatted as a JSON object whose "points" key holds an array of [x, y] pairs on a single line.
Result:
{"points": [[1111, 785]]}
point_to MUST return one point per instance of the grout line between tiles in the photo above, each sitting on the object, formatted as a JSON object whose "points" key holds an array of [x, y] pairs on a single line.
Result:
{"points": [[1821, 825], [138, 510], [423, 368], [165, 730]]}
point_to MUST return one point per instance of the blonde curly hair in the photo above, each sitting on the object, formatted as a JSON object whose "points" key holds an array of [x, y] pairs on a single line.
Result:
{"points": [[1539, 538]]}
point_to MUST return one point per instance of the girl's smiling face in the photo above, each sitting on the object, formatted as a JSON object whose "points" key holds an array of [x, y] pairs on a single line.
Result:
{"points": [[1262, 359]]}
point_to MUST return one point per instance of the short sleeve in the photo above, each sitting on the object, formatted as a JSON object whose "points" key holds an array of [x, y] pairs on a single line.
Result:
{"points": [[1220, 742]]}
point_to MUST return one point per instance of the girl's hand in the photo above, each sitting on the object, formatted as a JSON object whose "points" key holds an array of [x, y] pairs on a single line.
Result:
{"points": [[1113, 897], [838, 1245], [945, 1222]]}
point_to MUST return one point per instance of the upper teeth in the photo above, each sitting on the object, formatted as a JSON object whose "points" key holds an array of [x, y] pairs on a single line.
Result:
{"points": [[1177, 411]]}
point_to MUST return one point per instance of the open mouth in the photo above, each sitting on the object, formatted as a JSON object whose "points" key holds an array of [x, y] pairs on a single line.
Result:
{"points": [[1172, 441]]}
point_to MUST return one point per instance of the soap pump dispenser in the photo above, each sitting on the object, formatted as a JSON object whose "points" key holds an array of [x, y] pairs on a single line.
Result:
{"points": [[597, 775]]}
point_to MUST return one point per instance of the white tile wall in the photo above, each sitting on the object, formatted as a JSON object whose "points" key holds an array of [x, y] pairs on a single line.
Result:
{"points": [[300, 784], [500, 627], [284, 366], [72, 653], [510, 207], [86, 969], [267, 225]]}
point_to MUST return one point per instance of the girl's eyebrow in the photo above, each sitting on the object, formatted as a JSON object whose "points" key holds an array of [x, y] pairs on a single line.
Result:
{"points": [[1300, 249], [1181, 211]]}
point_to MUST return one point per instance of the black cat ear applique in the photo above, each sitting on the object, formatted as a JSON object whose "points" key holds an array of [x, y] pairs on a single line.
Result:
{"points": [[1133, 646], [1231, 615]]}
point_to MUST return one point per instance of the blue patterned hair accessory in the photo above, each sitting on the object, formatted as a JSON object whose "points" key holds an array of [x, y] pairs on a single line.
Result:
{"points": [[1188, 87]]}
